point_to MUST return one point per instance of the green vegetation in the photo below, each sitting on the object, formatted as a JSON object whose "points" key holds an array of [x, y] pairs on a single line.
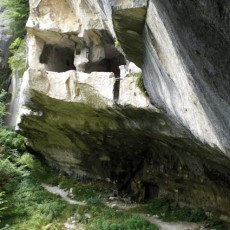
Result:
{"points": [[17, 61], [169, 211], [101, 217], [17, 12], [140, 82], [2, 204], [4, 73], [124, 222], [116, 44], [31, 207], [3, 105], [24, 204]]}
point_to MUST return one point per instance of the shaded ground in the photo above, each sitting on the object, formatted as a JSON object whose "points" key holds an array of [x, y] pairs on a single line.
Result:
{"points": [[62, 193], [162, 225]]}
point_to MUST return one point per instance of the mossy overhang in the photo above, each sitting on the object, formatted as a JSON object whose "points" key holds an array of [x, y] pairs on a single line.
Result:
{"points": [[128, 26], [129, 145]]}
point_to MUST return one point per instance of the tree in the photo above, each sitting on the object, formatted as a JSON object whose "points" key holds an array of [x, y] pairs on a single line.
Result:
{"points": [[17, 11]]}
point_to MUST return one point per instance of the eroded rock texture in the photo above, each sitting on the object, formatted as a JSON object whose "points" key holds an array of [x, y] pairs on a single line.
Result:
{"points": [[83, 111]]}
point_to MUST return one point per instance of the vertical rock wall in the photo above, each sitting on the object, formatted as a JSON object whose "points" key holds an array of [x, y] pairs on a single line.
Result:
{"points": [[187, 65]]}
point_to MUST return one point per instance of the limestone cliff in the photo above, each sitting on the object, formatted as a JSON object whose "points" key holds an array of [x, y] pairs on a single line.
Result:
{"points": [[83, 111]]}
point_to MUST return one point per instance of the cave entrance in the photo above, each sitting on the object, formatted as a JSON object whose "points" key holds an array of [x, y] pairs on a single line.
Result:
{"points": [[113, 59], [151, 191], [107, 65], [57, 58]]}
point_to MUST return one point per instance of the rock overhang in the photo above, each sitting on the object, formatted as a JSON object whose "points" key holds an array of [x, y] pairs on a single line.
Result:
{"points": [[74, 122]]}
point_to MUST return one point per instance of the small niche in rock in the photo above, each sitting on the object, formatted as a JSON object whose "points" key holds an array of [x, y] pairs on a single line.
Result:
{"points": [[113, 59], [57, 58], [151, 191]]}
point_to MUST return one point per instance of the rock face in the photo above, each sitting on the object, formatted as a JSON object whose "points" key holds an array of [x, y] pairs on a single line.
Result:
{"points": [[85, 110]]}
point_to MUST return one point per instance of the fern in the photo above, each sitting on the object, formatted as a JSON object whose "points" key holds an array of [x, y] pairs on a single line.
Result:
{"points": [[3, 105]]}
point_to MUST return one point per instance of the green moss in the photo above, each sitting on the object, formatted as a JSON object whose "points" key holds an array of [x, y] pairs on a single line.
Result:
{"points": [[17, 61], [129, 25], [116, 44], [140, 82]]}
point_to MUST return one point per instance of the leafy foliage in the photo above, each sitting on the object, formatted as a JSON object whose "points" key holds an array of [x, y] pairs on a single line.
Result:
{"points": [[129, 223], [4, 73], [17, 12], [140, 82], [3, 105], [116, 44], [18, 59], [2, 204]]}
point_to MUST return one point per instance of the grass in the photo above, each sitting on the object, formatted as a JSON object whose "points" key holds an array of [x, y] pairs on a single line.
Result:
{"points": [[105, 218], [29, 206], [24, 204], [169, 211]]}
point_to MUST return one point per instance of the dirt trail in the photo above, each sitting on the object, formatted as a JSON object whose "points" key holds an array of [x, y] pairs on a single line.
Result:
{"points": [[154, 220], [63, 194], [172, 225]]}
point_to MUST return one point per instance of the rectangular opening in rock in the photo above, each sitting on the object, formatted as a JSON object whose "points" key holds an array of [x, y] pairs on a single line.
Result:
{"points": [[57, 58]]}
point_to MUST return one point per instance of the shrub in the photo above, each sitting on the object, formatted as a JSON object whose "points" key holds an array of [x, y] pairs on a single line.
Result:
{"points": [[2, 204], [28, 160], [10, 139], [140, 82], [3, 105]]}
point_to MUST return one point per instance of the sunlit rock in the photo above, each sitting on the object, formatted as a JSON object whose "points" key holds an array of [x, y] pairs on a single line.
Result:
{"points": [[136, 92]]}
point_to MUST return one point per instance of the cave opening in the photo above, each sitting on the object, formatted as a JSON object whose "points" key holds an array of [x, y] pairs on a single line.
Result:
{"points": [[57, 58], [113, 59], [106, 65], [151, 191], [110, 63]]}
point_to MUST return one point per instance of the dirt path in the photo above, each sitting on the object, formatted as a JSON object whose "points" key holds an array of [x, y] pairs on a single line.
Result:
{"points": [[172, 225], [154, 220], [63, 194]]}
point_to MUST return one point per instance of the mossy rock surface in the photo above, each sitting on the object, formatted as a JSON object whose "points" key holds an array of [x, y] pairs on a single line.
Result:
{"points": [[129, 25], [141, 150]]}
